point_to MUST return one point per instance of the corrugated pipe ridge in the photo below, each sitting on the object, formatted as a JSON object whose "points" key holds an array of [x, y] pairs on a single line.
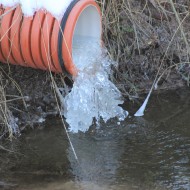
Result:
{"points": [[41, 41]]}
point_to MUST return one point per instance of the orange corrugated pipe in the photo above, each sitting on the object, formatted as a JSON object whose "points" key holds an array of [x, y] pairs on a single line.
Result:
{"points": [[44, 42]]}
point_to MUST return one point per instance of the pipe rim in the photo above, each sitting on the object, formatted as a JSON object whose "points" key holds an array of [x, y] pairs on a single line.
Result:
{"points": [[65, 43]]}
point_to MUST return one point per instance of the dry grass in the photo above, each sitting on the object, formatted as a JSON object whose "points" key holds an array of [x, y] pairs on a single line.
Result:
{"points": [[145, 35], [7, 120]]}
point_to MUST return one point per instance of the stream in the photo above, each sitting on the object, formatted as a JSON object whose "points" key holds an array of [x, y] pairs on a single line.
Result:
{"points": [[150, 152]]}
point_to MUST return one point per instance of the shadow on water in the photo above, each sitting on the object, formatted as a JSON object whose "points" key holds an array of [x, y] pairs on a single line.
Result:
{"points": [[150, 152]]}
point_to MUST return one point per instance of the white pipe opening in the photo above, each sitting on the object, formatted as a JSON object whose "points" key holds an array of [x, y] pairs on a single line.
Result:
{"points": [[88, 29], [89, 23]]}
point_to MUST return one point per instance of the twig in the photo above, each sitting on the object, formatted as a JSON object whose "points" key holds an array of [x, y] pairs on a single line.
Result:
{"points": [[8, 11]]}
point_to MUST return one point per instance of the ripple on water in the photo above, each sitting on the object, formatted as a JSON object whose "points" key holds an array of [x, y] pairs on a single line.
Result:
{"points": [[140, 153]]}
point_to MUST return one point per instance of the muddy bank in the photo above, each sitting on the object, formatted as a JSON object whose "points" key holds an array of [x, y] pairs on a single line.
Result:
{"points": [[142, 35], [39, 97], [29, 95], [139, 35]]}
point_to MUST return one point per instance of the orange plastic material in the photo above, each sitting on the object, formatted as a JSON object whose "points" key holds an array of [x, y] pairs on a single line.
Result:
{"points": [[69, 31], [5, 35], [2, 58], [25, 42], [54, 44], [15, 37], [33, 41], [46, 41]]}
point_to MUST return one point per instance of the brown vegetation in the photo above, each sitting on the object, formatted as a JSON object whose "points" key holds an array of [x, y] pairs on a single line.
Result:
{"points": [[141, 35]]}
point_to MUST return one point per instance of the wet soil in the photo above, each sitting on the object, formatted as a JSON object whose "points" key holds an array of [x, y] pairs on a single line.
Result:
{"points": [[35, 86], [40, 97], [40, 102], [141, 35]]}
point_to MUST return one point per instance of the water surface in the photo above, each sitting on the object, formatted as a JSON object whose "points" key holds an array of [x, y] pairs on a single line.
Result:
{"points": [[151, 152]]}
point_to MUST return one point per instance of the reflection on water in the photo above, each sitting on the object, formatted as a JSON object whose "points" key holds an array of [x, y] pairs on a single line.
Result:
{"points": [[152, 152]]}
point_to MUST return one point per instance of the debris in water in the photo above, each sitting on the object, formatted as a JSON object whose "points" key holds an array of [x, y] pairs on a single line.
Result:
{"points": [[141, 110]]}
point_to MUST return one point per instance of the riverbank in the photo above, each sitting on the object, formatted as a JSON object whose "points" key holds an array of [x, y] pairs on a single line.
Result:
{"points": [[140, 36], [29, 97], [144, 37]]}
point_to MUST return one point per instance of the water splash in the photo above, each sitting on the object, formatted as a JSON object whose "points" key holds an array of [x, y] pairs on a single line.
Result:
{"points": [[93, 95]]}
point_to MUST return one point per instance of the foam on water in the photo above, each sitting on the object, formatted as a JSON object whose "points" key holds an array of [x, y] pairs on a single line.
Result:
{"points": [[93, 95]]}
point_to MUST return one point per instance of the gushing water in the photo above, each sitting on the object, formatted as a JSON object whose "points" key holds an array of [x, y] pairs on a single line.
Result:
{"points": [[93, 95]]}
